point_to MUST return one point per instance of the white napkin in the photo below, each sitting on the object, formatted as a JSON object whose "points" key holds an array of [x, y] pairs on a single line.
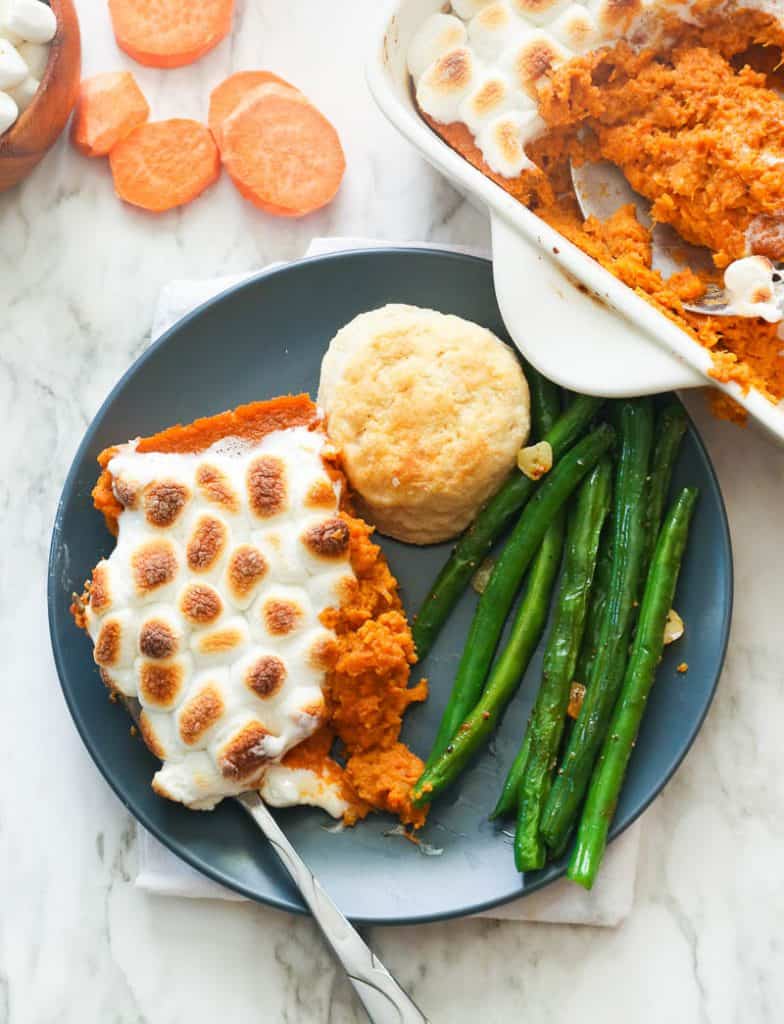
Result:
{"points": [[160, 871]]}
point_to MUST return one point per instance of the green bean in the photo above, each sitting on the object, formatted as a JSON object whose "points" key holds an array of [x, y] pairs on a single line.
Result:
{"points": [[507, 801], [563, 645], [507, 672], [593, 620], [478, 539], [507, 574], [571, 782], [671, 423], [646, 654]]}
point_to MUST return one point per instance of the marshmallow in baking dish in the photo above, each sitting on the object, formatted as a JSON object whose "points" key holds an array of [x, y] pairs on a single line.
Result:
{"points": [[488, 74], [208, 610]]}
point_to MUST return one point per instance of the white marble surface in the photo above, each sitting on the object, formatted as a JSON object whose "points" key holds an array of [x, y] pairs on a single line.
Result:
{"points": [[79, 274]]}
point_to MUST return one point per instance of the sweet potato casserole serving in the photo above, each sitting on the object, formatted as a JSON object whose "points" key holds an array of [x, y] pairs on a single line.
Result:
{"points": [[682, 97], [248, 618]]}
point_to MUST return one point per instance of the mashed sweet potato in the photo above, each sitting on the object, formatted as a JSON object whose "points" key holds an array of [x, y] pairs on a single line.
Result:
{"points": [[367, 686], [699, 133]]}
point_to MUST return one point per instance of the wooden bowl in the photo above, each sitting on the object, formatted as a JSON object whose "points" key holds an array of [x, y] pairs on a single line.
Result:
{"points": [[38, 128]]}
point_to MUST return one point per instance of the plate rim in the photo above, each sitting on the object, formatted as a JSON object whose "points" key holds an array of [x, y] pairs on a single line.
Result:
{"points": [[185, 854]]}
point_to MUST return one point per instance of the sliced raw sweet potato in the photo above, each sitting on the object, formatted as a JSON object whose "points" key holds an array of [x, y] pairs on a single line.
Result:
{"points": [[232, 91], [169, 33], [282, 153], [110, 106], [163, 164]]}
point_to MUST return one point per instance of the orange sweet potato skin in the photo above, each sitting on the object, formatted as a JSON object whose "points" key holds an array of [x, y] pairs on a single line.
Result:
{"points": [[629, 99], [366, 688]]}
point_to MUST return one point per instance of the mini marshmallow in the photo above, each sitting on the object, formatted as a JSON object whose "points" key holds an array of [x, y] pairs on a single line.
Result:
{"points": [[13, 69], [493, 29], [615, 17], [492, 95], [532, 57], [576, 28], [438, 34], [749, 282], [35, 56], [33, 20], [444, 85], [292, 787], [503, 142], [24, 93], [9, 111], [540, 12]]}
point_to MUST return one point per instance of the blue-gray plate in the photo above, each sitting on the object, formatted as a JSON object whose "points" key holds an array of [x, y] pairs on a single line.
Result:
{"points": [[266, 338]]}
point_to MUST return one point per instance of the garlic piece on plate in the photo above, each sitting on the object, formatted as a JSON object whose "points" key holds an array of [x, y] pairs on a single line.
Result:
{"points": [[673, 627]]}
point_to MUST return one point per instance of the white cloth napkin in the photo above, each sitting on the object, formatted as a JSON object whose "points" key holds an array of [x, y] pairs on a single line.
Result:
{"points": [[160, 871]]}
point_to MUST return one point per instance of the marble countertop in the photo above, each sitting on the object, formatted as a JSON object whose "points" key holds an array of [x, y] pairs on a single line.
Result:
{"points": [[79, 275]]}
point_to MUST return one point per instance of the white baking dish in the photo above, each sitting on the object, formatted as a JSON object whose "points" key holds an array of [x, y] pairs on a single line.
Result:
{"points": [[571, 318]]}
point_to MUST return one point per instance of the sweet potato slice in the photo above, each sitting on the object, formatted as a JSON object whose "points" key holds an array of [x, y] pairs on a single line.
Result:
{"points": [[282, 153], [169, 33], [109, 107], [163, 164], [234, 90]]}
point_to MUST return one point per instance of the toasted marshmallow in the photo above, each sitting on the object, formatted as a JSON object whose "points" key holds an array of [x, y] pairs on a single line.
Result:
{"points": [[532, 58], [493, 29], [161, 685], [540, 12], [246, 570], [208, 610], [750, 284], [194, 781], [207, 544], [437, 35], [493, 95], [577, 29], [161, 633], [13, 69], [115, 640], [227, 640], [291, 787], [503, 141], [31, 20], [615, 17], [445, 83]]}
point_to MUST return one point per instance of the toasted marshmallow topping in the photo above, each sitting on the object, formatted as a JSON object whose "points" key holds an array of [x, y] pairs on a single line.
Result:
{"points": [[503, 141], [208, 610], [577, 29], [291, 787], [510, 47], [750, 283], [492, 30], [437, 36], [445, 83]]}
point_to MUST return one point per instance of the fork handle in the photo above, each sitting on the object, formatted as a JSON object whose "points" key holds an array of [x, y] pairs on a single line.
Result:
{"points": [[383, 998]]}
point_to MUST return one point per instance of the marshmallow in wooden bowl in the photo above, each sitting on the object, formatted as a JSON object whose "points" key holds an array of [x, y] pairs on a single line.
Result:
{"points": [[26, 29]]}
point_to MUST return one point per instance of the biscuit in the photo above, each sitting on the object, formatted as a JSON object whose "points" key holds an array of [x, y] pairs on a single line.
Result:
{"points": [[429, 412]]}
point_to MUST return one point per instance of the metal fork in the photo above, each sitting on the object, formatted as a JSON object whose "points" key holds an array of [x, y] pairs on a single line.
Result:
{"points": [[601, 189], [383, 998]]}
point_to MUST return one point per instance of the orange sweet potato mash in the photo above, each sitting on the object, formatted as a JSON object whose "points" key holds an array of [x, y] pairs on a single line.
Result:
{"points": [[697, 131], [367, 687]]}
